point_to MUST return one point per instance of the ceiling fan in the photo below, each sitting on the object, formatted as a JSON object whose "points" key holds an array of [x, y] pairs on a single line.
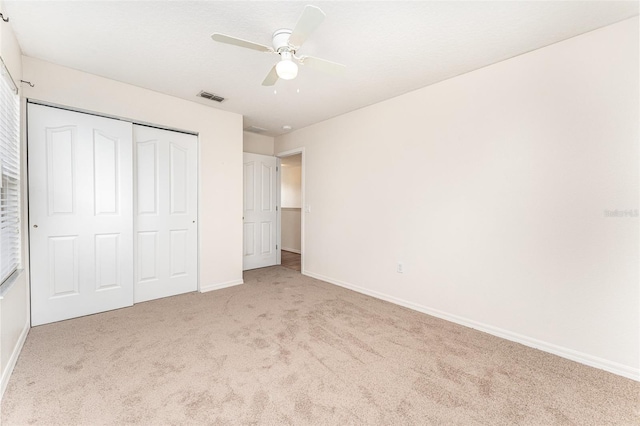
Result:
{"points": [[286, 43]]}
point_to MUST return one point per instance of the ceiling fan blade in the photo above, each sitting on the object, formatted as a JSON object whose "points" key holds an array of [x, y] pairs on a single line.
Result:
{"points": [[309, 20], [240, 42], [271, 78], [323, 65]]}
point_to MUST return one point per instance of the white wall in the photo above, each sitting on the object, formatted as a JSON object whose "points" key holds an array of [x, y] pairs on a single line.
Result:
{"points": [[291, 181], [492, 187], [220, 152], [14, 301], [257, 144], [10, 51], [14, 325], [291, 203], [290, 222]]}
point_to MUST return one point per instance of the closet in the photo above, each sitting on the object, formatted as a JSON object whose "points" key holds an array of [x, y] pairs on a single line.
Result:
{"points": [[112, 213]]}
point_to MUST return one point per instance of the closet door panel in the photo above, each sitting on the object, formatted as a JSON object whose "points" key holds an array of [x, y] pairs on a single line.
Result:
{"points": [[166, 248], [80, 213]]}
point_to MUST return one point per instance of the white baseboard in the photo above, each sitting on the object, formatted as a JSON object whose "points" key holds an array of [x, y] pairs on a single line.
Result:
{"points": [[6, 374], [219, 286], [581, 357], [291, 250]]}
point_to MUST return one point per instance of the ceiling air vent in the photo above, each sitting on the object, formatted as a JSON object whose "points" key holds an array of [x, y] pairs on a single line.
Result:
{"points": [[210, 96], [255, 129]]}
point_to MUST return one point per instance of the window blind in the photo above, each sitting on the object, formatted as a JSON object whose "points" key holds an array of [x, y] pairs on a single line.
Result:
{"points": [[9, 175]]}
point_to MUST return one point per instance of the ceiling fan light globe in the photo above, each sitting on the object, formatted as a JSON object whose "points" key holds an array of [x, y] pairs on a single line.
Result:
{"points": [[287, 70]]}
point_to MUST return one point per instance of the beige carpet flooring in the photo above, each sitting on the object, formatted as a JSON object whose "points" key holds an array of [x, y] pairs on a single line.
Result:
{"points": [[287, 349]]}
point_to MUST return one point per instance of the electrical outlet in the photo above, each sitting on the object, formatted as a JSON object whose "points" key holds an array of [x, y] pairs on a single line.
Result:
{"points": [[400, 268]]}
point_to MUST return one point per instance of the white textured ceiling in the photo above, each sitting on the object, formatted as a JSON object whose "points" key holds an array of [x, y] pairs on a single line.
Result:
{"points": [[389, 47]]}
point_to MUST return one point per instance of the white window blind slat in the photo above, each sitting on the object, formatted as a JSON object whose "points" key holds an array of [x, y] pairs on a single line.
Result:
{"points": [[10, 175]]}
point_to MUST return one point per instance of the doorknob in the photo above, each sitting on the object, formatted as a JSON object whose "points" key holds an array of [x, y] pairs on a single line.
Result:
{"points": [[35, 226]]}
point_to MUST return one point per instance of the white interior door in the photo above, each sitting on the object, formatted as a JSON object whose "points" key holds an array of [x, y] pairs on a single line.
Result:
{"points": [[166, 242], [260, 211], [80, 214]]}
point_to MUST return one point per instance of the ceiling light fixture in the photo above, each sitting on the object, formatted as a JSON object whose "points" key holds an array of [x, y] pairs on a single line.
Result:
{"points": [[286, 68]]}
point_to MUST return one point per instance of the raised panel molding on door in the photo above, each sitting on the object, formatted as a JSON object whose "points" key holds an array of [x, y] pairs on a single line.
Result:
{"points": [[106, 174], [166, 210], [260, 211], [60, 183], [80, 214], [63, 266], [107, 261]]}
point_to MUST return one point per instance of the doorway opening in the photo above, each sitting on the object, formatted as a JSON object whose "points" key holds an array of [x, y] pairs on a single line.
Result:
{"points": [[292, 209]]}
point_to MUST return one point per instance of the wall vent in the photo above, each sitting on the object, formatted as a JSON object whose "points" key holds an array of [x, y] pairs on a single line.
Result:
{"points": [[255, 129], [210, 96]]}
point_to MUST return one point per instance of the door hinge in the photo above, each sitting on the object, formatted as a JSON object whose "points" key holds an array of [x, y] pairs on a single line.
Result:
{"points": [[276, 247], [276, 208], [277, 169]]}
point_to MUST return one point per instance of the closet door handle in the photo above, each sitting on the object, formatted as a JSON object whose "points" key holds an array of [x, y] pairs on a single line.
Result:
{"points": [[35, 226]]}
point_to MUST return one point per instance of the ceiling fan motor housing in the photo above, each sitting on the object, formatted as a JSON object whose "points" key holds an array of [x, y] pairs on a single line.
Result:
{"points": [[280, 40]]}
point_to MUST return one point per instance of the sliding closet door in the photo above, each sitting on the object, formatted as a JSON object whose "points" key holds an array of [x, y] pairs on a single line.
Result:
{"points": [[80, 214], [166, 244]]}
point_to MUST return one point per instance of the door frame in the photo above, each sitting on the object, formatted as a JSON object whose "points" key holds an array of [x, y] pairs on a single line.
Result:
{"points": [[303, 202]]}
